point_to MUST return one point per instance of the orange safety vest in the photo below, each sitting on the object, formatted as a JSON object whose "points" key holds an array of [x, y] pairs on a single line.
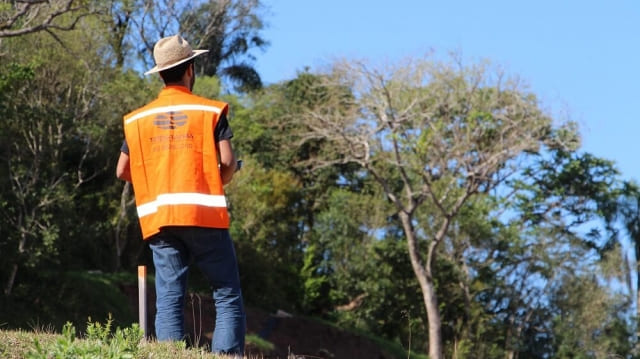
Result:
{"points": [[174, 163]]}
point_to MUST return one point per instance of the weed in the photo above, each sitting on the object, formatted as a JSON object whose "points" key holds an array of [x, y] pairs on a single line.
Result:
{"points": [[99, 343]]}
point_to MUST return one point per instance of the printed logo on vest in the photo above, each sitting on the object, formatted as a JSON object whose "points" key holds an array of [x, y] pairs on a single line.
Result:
{"points": [[170, 120]]}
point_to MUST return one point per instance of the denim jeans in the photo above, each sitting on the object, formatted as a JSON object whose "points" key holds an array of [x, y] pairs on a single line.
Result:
{"points": [[211, 249]]}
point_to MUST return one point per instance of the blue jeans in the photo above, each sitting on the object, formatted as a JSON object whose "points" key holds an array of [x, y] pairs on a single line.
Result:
{"points": [[212, 250]]}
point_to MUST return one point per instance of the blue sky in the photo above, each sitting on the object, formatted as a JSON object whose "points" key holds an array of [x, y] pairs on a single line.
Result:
{"points": [[582, 58]]}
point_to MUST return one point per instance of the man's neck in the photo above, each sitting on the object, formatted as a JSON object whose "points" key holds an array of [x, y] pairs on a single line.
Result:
{"points": [[179, 83]]}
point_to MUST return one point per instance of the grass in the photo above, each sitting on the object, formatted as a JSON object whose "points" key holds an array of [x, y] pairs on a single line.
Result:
{"points": [[100, 342], [29, 345], [259, 343], [103, 341]]}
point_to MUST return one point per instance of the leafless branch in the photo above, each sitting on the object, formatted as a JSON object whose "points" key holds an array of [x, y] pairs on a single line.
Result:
{"points": [[41, 15]]}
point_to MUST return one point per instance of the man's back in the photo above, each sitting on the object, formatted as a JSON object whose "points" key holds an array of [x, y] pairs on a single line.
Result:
{"points": [[173, 161]]}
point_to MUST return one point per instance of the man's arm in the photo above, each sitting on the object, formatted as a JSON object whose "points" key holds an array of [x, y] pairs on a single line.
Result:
{"points": [[123, 170], [227, 160]]}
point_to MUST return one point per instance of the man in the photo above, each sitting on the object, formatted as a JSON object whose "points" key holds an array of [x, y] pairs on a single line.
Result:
{"points": [[177, 154]]}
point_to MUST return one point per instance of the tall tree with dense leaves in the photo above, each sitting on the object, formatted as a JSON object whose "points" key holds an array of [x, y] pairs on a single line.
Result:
{"points": [[62, 138], [549, 217], [628, 215], [49, 152], [288, 213], [230, 30]]}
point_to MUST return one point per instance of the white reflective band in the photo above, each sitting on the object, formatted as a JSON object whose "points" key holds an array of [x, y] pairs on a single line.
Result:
{"points": [[199, 199], [174, 108]]}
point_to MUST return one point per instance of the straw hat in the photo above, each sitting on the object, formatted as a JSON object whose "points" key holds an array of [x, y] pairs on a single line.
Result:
{"points": [[172, 51]]}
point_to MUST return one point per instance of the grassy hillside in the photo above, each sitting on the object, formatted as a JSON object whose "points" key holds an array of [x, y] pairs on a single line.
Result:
{"points": [[80, 315], [31, 345]]}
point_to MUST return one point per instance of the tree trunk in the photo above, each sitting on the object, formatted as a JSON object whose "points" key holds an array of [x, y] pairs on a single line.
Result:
{"points": [[637, 249], [510, 354], [433, 315], [126, 189], [508, 351], [423, 274], [14, 270], [12, 278]]}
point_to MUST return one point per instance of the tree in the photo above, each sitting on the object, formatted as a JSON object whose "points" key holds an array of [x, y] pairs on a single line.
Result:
{"points": [[30, 192], [591, 325], [628, 215], [58, 158], [370, 284], [229, 29], [430, 134], [265, 228], [40, 177], [549, 218], [19, 18], [265, 141]]}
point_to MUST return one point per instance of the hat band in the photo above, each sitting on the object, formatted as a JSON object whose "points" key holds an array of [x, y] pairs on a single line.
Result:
{"points": [[174, 61]]}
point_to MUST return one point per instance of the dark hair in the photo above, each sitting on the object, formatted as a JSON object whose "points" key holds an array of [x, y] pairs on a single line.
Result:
{"points": [[175, 74]]}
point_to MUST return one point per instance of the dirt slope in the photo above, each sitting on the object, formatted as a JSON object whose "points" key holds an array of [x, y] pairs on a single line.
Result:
{"points": [[292, 336]]}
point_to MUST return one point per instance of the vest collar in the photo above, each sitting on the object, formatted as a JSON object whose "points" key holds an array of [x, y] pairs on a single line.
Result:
{"points": [[173, 90]]}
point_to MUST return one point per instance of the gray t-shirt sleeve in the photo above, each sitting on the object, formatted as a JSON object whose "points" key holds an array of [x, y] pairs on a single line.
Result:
{"points": [[221, 132]]}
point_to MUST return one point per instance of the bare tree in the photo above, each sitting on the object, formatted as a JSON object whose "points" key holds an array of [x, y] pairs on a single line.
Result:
{"points": [[21, 17], [431, 134]]}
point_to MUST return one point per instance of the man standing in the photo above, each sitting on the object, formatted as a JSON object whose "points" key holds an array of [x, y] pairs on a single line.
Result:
{"points": [[177, 154]]}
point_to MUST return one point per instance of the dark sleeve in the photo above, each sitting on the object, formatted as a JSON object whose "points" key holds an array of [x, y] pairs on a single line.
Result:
{"points": [[222, 130], [124, 148]]}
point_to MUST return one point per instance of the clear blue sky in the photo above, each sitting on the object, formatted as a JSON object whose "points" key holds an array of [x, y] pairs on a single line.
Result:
{"points": [[582, 58]]}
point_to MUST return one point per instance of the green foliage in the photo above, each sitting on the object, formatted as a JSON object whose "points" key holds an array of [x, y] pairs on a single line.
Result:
{"points": [[99, 343], [208, 86], [263, 345], [317, 282], [230, 54], [584, 329], [59, 297], [286, 197], [266, 234]]}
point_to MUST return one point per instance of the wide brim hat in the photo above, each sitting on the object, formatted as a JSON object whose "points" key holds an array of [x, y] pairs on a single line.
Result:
{"points": [[172, 51]]}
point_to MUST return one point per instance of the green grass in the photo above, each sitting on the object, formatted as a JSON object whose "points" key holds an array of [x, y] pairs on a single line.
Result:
{"points": [[30, 345], [261, 344], [100, 342]]}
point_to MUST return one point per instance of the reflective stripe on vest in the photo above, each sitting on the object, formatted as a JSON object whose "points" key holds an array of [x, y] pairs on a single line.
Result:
{"points": [[199, 199], [175, 108]]}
